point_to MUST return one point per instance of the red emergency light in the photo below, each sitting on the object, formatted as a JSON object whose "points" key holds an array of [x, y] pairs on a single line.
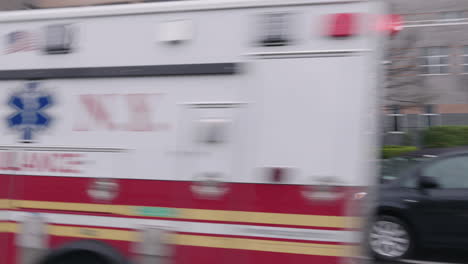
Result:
{"points": [[342, 25], [395, 24], [391, 24]]}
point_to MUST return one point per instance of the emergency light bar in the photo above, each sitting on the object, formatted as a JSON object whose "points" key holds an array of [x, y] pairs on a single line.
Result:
{"points": [[345, 24], [342, 25]]}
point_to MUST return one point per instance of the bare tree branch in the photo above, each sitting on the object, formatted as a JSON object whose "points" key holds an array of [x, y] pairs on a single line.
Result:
{"points": [[404, 84]]}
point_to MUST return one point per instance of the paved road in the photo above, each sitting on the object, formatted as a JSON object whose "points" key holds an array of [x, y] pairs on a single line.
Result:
{"points": [[416, 262], [436, 257]]}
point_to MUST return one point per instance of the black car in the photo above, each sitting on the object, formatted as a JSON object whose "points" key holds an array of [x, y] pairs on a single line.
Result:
{"points": [[424, 205]]}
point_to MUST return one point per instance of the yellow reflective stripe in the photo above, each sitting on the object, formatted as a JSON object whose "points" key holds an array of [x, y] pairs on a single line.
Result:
{"points": [[80, 207], [92, 233], [6, 227], [264, 245], [5, 204], [200, 214], [270, 218], [199, 241]]}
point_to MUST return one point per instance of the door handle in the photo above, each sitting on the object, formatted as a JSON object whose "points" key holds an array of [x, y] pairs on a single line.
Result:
{"points": [[411, 201]]}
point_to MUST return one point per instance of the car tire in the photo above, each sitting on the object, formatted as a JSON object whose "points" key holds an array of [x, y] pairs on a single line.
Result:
{"points": [[80, 257], [390, 238]]}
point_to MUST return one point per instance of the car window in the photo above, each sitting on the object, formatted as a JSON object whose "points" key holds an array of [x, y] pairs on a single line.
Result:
{"points": [[410, 182], [450, 173], [391, 169]]}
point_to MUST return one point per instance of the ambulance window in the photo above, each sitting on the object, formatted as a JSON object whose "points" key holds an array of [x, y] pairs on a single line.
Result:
{"points": [[212, 131], [274, 29], [58, 39]]}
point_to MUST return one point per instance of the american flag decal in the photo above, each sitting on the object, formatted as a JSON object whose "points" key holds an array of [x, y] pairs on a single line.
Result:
{"points": [[20, 41]]}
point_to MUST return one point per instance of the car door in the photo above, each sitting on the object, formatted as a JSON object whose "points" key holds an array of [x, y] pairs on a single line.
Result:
{"points": [[442, 212]]}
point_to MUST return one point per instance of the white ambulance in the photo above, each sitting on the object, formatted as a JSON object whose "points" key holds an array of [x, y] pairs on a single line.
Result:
{"points": [[196, 132]]}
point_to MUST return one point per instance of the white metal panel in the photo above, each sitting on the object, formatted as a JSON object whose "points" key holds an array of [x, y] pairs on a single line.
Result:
{"points": [[218, 36], [303, 113], [205, 159], [310, 118], [152, 8], [149, 145]]}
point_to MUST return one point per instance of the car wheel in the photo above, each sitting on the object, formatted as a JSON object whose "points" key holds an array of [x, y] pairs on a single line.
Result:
{"points": [[80, 257], [389, 238]]}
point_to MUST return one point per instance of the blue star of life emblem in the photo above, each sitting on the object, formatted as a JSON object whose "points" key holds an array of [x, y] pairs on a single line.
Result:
{"points": [[30, 104]]}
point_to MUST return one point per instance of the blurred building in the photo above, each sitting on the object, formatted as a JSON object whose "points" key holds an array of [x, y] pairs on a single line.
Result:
{"points": [[428, 67], [10, 5], [70, 3], [33, 4]]}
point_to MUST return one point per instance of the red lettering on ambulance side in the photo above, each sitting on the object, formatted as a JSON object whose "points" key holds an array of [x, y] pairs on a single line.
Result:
{"points": [[11, 159], [140, 118], [70, 161], [96, 110], [3, 161], [29, 161], [36, 162], [42, 162], [56, 162]]}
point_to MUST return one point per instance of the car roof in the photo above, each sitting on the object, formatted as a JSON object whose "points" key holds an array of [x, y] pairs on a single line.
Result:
{"points": [[435, 152]]}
